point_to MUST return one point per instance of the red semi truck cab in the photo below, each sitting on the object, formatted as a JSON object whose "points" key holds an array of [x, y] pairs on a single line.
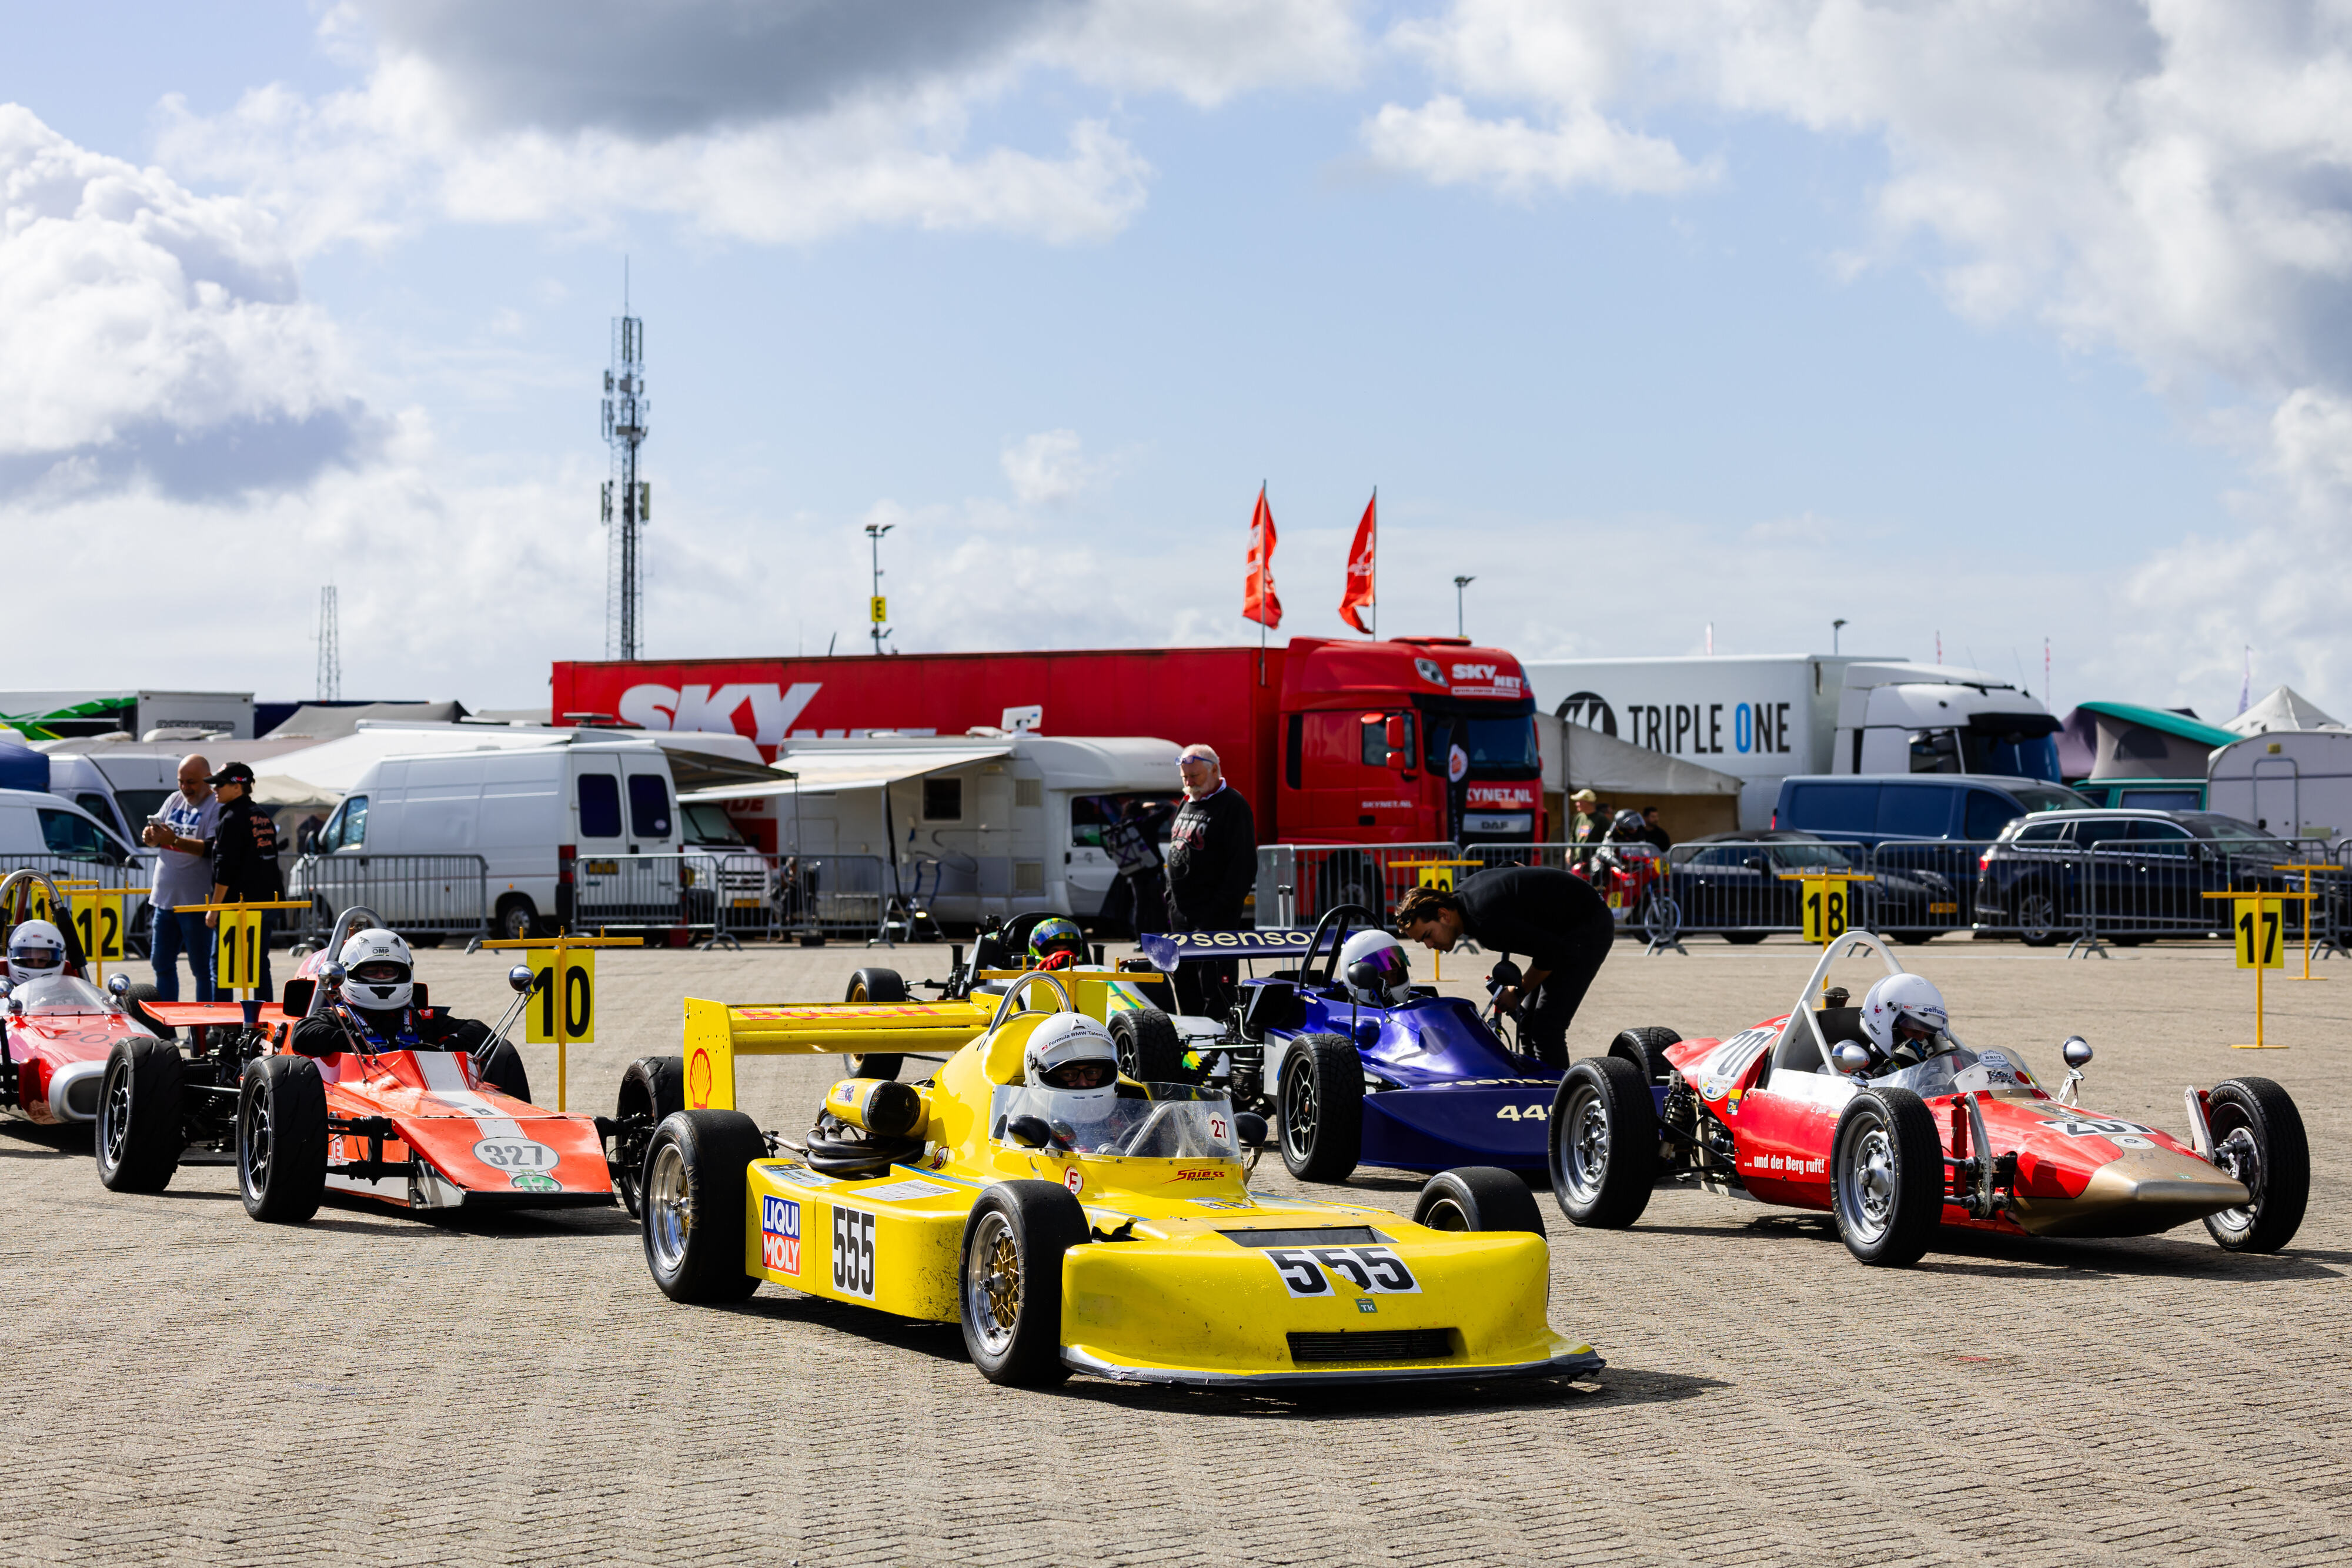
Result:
{"points": [[1412, 739]]}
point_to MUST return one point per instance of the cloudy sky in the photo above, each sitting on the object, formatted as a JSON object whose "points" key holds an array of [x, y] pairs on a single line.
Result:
{"points": [[1994, 321]]}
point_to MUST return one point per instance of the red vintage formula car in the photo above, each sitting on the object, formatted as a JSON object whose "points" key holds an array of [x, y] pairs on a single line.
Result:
{"points": [[419, 1128], [59, 1029], [1802, 1111]]}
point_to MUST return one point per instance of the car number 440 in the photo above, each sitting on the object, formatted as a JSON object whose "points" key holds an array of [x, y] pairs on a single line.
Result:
{"points": [[1307, 1270], [1536, 1113]]}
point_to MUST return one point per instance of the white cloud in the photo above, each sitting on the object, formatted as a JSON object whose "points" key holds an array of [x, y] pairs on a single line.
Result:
{"points": [[150, 332], [2163, 178], [1047, 466], [1443, 143]]}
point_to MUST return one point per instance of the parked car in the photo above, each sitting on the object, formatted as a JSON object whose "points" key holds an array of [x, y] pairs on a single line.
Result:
{"points": [[2137, 874], [553, 825], [1911, 807], [1734, 884]]}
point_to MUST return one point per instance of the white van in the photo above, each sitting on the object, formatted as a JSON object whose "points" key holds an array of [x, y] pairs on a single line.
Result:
{"points": [[549, 821]]}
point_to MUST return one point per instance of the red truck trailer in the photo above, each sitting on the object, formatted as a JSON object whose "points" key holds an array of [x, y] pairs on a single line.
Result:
{"points": [[1414, 739]]}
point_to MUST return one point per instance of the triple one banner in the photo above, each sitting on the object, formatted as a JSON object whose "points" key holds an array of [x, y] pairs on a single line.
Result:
{"points": [[1259, 603]]}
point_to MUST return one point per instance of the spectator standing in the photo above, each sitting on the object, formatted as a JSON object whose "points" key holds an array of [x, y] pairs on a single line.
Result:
{"points": [[245, 863], [1588, 826], [1554, 918], [183, 829], [1652, 832], [1212, 867]]}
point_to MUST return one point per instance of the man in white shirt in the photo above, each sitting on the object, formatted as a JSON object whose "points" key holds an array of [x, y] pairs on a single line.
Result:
{"points": [[183, 829]]}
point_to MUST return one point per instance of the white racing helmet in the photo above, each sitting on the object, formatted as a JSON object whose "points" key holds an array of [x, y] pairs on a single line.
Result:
{"points": [[37, 950], [1065, 1053], [378, 972], [1375, 969], [1899, 999]]}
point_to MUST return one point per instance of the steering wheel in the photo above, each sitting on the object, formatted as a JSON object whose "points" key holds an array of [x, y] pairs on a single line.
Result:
{"points": [[1020, 988], [1339, 912]]}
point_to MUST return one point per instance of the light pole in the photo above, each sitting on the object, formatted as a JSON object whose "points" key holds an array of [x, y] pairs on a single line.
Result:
{"points": [[879, 608], [1836, 627], [1459, 584]]}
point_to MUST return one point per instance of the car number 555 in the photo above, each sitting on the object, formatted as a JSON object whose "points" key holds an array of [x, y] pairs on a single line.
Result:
{"points": [[853, 1253], [1373, 1268]]}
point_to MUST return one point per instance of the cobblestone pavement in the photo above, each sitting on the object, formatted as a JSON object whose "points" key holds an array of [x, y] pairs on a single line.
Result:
{"points": [[187, 1387]]}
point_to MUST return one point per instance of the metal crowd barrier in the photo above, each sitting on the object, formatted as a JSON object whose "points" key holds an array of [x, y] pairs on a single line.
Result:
{"points": [[64, 869], [443, 894], [734, 896], [1297, 882]]}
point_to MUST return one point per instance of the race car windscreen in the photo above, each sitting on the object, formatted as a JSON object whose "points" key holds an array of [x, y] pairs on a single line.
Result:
{"points": [[61, 994], [1176, 1122]]}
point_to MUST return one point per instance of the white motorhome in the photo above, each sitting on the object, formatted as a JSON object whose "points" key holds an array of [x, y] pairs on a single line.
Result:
{"points": [[2296, 783], [551, 820], [967, 825], [1762, 718]]}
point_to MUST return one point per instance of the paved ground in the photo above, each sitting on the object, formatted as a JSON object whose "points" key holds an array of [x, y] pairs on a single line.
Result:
{"points": [[187, 1386]]}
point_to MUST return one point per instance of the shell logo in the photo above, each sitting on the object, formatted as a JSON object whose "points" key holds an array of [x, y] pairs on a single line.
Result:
{"points": [[698, 1081]]}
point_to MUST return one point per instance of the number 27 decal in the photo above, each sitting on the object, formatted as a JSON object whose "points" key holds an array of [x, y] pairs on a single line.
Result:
{"points": [[1373, 1268]]}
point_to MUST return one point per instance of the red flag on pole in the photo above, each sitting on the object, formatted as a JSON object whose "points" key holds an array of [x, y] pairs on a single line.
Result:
{"points": [[1361, 572], [1259, 602]]}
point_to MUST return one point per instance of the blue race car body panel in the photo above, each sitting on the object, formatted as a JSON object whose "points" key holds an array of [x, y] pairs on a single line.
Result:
{"points": [[1444, 1091]]}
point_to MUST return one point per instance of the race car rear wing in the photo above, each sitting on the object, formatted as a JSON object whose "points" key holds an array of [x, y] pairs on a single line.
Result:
{"points": [[1197, 946]]}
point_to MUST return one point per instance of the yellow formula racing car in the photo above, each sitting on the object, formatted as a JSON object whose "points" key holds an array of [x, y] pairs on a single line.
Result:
{"points": [[1072, 1219]]}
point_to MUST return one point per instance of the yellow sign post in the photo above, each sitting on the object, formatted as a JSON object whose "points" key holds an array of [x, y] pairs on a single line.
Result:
{"points": [[2257, 929], [880, 608], [562, 1011], [1437, 874], [236, 943], [100, 920], [1827, 906], [2307, 868]]}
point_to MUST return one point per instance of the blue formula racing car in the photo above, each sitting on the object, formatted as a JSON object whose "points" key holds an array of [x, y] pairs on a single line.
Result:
{"points": [[1356, 1064]]}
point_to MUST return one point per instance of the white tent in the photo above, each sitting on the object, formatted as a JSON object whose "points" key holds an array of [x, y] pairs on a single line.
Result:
{"points": [[1691, 798], [321, 775], [2285, 708]]}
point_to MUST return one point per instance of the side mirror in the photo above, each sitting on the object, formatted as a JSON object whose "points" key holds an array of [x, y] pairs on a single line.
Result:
{"points": [[1850, 1059], [2076, 1051], [1753, 863], [119, 986], [1397, 761], [332, 973], [522, 976], [1029, 1132], [1250, 1128]]}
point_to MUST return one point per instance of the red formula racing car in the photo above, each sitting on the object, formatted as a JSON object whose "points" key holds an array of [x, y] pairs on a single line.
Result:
{"points": [[59, 1029], [417, 1127], [1806, 1110]]}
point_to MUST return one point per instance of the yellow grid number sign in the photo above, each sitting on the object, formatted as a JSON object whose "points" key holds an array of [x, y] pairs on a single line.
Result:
{"points": [[2258, 925], [1828, 907], [562, 1008], [236, 950], [98, 921]]}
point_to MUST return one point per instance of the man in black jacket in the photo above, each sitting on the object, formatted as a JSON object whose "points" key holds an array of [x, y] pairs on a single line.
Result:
{"points": [[1212, 867], [1557, 920], [244, 851]]}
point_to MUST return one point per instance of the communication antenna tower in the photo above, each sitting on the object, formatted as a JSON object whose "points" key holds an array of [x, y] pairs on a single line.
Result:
{"points": [[331, 657], [628, 500]]}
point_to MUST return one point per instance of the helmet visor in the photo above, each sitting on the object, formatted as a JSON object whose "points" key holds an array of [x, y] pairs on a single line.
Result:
{"points": [[36, 955], [1091, 1073], [381, 972]]}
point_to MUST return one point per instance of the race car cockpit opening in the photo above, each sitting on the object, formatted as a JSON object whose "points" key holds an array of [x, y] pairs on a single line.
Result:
{"points": [[1166, 1122]]}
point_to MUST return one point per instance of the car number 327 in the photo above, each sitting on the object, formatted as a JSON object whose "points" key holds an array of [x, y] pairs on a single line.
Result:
{"points": [[853, 1253], [1307, 1270]]}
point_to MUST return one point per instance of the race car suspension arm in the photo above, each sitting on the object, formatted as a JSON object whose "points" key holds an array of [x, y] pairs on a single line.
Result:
{"points": [[375, 1130], [1987, 1181]]}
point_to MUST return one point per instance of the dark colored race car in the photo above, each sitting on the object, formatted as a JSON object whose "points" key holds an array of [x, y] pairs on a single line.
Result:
{"points": [[1801, 1110], [1428, 1086]]}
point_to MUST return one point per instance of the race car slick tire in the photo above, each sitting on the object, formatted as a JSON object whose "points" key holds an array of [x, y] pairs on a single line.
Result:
{"points": [[652, 1091], [137, 1136], [1478, 1198], [134, 1002], [1149, 1049], [692, 1222], [875, 986], [2257, 1129], [1009, 1283], [281, 1139], [1646, 1049], [1886, 1177], [1604, 1143], [1322, 1108], [501, 1068]]}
